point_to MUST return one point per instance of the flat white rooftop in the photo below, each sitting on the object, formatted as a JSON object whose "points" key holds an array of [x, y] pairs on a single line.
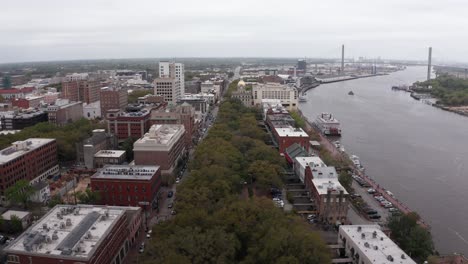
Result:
{"points": [[161, 135], [291, 132], [109, 154], [126, 172], [311, 161], [67, 230], [373, 244], [19, 148], [20, 214], [326, 178]]}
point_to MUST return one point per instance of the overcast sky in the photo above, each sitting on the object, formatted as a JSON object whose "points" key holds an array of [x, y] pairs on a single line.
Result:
{"points": [[35, 30]]}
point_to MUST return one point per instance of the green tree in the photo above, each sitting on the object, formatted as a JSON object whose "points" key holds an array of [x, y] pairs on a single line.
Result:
{"points": [[20, 193], [345, 179], [133, 96], [88, 197], [411, 237], [127, 145], [16, 225], [56, 199], [2, 99], [265, 175]]}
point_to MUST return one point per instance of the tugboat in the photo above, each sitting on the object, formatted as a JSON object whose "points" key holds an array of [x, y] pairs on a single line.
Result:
{"points": [[351, 93]]}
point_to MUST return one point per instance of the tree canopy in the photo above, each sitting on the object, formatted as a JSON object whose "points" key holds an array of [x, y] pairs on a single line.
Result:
{"points": [[450, 90], [215, 223], [20, 193]]}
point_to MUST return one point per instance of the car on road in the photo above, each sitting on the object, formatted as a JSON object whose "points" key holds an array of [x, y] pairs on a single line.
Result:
{"points": [[3, 239], [371, 191], [142, 247], [170, 194], [375, 216], [170, 205], [177, 181], [311, 216], [355, 195], [392, 209], [173, 212]]}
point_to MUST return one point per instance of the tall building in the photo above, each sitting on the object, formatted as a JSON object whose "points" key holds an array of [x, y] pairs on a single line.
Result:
{"points": [[112, 98], [84, 234], [173, 69], [128, 124], [100, 140], [17, 120], [181, 114], [127, 185], [163, 146], [169, 88], [33, 160], [81, 87], [302, 65]]}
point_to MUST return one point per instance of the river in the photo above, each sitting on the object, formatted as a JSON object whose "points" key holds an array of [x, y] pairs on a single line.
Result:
{"points": [[417, 151]]}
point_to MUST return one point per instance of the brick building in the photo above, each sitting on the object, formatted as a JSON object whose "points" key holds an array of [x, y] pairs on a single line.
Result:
{"points": [[112, 98], [27, 102], [100, 140], [84, 90], [128, 124], [72, 234], [285, 134], [127, 185], [104, 157], [181, 114], [33, 160], [64, 112], [330, 197], [163, 145]]}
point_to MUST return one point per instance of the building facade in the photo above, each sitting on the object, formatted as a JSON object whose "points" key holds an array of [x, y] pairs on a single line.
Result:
{"points": [[169, 88], [287, 95], [127, 185], [64, 112], [100, 140], [113, 99], [86, 90], [163, 146], [128, 124], [72, 234], [173, 69], [181, 114], [17, 120], [111, 157], [33, 160]]}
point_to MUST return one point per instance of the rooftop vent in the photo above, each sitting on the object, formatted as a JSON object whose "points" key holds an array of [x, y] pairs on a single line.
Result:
{"points": [[366, 245], [374, 234], [403, 256], [390, 258], [359, 228], [69, 222], [54, 236], [363, 235], [376, 247]]}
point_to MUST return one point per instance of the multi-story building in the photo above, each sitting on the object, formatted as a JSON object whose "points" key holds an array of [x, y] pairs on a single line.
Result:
{"points": [[245, 96], [330, 197], [181, 114], [84, 234], [287, 95], [301, 163], [81, 87], [302, 65], [128, 185], [200, 102], [33, 160], [92, 111], [64, 112], [100, 140], [284, 133], [104, 157], [10, 94], [163, 145], [169, 88], [112, 98], [151, 99], [17, 120], [367, 244], [128, 124], [174, 70], [28, 101]]}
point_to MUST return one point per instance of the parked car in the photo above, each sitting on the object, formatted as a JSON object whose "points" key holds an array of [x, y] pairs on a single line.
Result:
{"points": [[170, 205], [371, 191], [375, 216], [170, 194], [3, 239], [173, 212], [142, 247], [311, 216], [393, 209]]}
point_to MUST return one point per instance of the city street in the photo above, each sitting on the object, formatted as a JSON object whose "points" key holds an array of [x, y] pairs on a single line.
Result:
{"points": [[370, 200]]}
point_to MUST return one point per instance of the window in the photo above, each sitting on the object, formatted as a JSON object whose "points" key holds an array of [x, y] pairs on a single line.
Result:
{"points": [[13, 258]]}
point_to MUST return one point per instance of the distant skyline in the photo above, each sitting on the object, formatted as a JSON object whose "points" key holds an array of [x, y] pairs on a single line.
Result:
{"points": [[49, 30]]}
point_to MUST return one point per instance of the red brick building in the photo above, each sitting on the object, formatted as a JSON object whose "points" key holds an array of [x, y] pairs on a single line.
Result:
{"points": [[127, 185], [86, 90], [113, 99], [285, 135], [163, 145], [128, 124], [72, 234], [33, 160], [182, 114]]}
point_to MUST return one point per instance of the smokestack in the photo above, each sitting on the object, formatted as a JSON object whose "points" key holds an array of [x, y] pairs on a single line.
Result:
{"points": [[342, 59], [294, 71], [429, 66]]}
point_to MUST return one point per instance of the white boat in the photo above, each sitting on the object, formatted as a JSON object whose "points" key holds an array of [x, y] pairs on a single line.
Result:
{"points": [[328, 125], [302, 98]]}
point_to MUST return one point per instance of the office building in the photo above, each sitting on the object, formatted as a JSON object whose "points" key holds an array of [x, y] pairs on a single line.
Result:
{"points": [[169, 88], [81, 87], [85, 234], [31, 101], [287, 95], [112, 98], [173, 70], [111, 157], [125, 124], [64, 112], [180, 114], [128, 185], [17, 120], [33, 160], [100, 140], [163, 146]]}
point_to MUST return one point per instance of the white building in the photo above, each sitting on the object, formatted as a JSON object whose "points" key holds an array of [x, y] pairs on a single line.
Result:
{"points": [[173, 69], [367, 244], [287, 95], [92, 110], [169, 88], [300, 164]]}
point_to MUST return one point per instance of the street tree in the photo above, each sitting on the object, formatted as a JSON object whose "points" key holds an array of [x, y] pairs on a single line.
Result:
{"points": [[20, 193]]}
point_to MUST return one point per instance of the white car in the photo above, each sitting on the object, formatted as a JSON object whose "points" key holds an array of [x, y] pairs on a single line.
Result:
{"points": [[371, 191]]}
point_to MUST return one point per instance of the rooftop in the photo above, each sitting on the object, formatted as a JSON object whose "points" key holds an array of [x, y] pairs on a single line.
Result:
{"points": [[109, 153], [66, 230], [325, 179], [374, 244], [313, 162], [20, 214], [161, 134], [135, 172], [290, 132], [19, 148]]}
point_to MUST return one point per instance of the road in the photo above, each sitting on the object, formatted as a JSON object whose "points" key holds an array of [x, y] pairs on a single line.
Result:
{"points": [[370, 200]]}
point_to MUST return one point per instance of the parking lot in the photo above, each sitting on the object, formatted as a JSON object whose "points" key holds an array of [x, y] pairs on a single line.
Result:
{"points": [[371, 201]]}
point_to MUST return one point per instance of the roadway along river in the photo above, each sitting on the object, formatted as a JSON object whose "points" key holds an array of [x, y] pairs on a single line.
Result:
{"points": [[418, 152]]}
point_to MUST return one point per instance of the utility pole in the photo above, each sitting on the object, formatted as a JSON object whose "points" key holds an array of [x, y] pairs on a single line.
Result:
{"points": [[429, 64]]}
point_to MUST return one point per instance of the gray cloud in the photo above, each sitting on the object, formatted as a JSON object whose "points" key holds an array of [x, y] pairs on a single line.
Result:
{"points": [[401, 29]]}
